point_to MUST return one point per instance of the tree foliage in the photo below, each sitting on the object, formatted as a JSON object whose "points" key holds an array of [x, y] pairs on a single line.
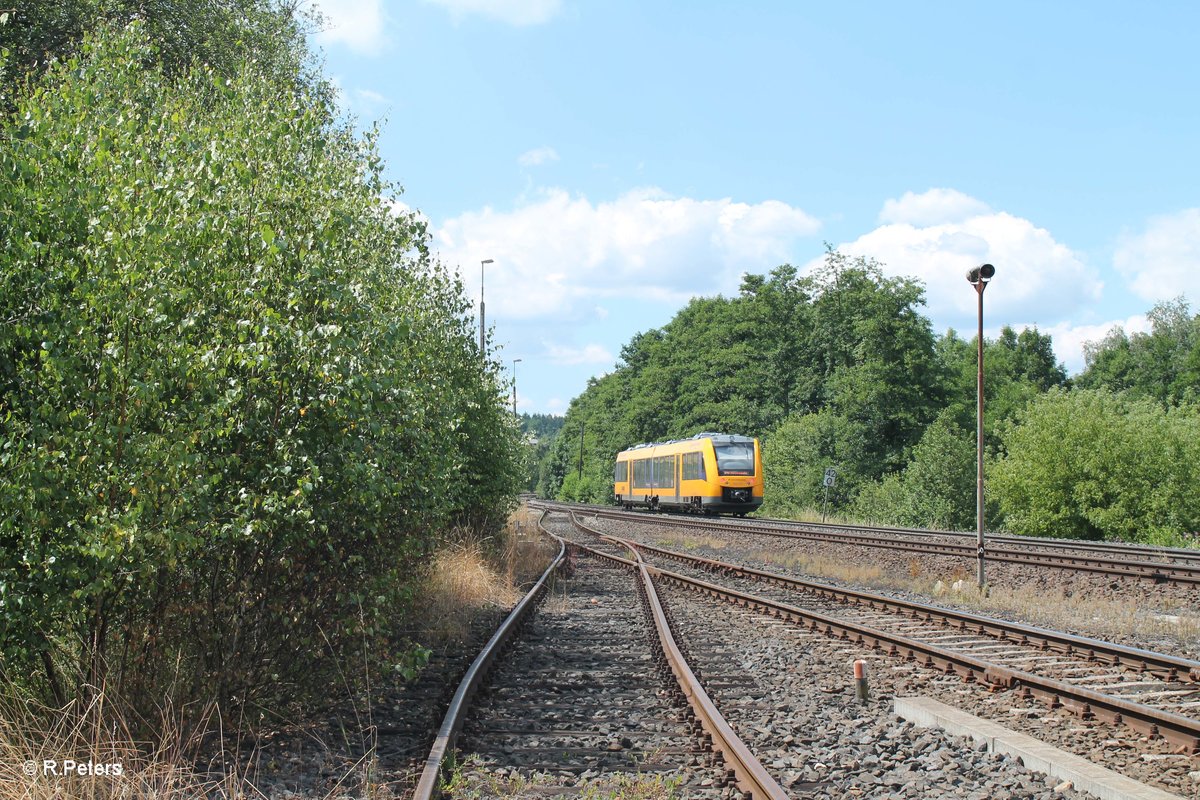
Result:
{"points": [[936, 489], [221, 34], [1092, 464], [237, 397], [1163, 364], [845, 344]]}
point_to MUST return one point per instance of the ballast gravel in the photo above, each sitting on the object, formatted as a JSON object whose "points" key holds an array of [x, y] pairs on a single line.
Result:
{"points": [[790, 695]]}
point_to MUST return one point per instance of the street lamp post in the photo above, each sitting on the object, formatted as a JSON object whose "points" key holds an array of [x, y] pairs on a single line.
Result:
{"points": [[515, 362], [482, 264], [979, 277]]}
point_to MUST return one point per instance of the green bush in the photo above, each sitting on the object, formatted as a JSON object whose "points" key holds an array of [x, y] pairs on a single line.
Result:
{"points": [[1091, 464], [935, 490], [237, 399]]}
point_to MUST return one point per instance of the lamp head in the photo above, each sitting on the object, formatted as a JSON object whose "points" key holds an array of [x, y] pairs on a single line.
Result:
{"points": [[486, 261], [981, 273]]}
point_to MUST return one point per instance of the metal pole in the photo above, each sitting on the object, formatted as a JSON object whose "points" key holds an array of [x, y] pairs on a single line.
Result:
{"points": [[979, 287], [515, 362], [482, 322], [581, 452]]}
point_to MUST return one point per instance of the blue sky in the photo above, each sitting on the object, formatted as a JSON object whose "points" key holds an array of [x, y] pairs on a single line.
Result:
{"points": [[616, 158]]}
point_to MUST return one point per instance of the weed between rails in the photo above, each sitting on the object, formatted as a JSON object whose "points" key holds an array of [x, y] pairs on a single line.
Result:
{"points": [[469, 780]]}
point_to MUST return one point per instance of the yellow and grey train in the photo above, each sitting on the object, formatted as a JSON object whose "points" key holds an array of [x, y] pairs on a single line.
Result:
{"points": [[713, 473]]}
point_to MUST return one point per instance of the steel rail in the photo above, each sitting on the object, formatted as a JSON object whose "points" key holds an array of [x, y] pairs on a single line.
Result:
{"points": [[1119, 548], [1159, 572], [749, 773], [1162, 665], [447, 736], [771, 525]]}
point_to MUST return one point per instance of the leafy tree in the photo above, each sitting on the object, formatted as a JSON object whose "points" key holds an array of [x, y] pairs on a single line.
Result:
{"points": [[799, 451], [1163, 364], [238, 399], [845, 346], [1091, 464], [937, 487], [221, 34], [540, 431], [1017, 368]]}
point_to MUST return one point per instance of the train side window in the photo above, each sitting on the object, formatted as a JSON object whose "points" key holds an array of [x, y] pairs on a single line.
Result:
{"points": [[693, 467], [621, 472], [664, 472]]}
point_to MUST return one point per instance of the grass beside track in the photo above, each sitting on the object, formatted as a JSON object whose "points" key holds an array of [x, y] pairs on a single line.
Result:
{"points": [[466, 579]]}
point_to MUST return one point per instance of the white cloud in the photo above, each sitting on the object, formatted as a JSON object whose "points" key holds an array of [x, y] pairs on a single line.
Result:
{"points": [[512, 12], [357, 24], [368, 97], [559, 255], [1037, 278], [1070, 338], [1163, 262], [934, 207], [569, 356], [537, 157]]}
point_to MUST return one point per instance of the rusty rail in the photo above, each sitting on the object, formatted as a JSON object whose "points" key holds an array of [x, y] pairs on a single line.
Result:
{"points": [[1086, 703], [750, 774], [447, 736], [769, 525]]}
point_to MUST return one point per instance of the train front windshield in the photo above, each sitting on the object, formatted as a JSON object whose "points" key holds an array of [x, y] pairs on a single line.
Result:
{"points": [[735, 459]]}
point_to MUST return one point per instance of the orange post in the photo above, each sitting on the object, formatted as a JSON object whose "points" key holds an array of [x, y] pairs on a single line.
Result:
{"points": [[860, 681]]}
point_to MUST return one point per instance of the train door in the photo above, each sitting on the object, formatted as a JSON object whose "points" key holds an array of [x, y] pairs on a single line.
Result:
{"points": [[678, 476]]}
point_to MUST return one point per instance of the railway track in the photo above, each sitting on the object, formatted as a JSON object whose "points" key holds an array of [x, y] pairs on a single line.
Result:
{"points": [[1074, 556], [1153, 693], [591, 690], [598, 687]]}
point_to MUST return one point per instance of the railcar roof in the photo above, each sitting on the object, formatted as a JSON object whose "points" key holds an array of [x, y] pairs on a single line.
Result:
{"points": [[717, 438]]}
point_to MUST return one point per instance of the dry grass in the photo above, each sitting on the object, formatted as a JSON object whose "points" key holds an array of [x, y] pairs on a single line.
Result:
{"points": [[1098, 616], [1105, 617], [469, 578], [461, 581], [89, 752], [38, 746]]}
